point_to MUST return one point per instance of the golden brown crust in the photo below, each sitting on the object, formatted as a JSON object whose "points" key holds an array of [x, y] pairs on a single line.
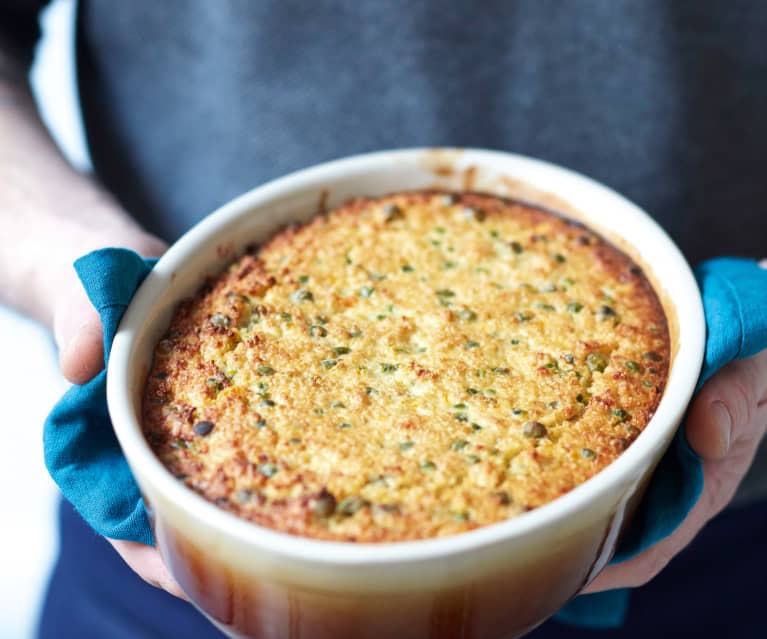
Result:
{"points": [[408, 367]]}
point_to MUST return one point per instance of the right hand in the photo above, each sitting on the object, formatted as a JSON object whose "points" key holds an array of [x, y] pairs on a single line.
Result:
{"points": [[78, 334], [76, 325]]}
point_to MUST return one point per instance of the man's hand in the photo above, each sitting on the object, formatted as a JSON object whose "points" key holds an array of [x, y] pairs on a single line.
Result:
{"points": [[725, 425], [76, 324], [49, 215], [78, 333], [146, 562]]}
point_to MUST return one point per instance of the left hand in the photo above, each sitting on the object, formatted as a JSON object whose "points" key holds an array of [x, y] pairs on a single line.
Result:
{"points": [[77, 329], [147, 563], [725, 424]]}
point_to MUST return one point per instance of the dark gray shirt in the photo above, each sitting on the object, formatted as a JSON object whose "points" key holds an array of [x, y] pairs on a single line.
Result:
{"points": [[189, 103]]}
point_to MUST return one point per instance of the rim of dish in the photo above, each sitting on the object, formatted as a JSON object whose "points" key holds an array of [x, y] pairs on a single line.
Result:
{"points": [[626, 468]]}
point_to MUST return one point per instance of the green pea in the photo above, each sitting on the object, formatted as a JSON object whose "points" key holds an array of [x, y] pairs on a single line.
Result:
{"points": [[470, 213], [220, 321], [596, 362], [267, 470], [391, 212], [503, 497], [350, 505], [324, 504], [302, 295], [534, 430]]}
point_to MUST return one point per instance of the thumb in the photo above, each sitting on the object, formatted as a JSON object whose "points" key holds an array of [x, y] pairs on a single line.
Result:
{"points": [[76, 324], [723, 411], [78, 334]]}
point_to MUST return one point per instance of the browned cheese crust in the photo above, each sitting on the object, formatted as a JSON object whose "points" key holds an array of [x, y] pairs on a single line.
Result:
{"points": [[408, 367]]}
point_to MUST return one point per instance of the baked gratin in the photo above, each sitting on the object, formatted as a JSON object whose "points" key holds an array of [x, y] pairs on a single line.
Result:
{"points": [[408, 367]]}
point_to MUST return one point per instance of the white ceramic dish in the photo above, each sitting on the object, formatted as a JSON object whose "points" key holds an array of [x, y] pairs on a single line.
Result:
{"points": [[497, 581]]}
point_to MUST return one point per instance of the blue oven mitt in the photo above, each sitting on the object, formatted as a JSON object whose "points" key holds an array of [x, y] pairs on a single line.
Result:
{"points": [[735, 304], [85, 460], [81, 450]]}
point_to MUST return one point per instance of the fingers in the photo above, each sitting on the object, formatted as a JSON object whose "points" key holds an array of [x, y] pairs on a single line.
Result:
{"points": [[723, 412], [724, 426], [642, 568], [82, 356], [78, 334], [147, 563]]}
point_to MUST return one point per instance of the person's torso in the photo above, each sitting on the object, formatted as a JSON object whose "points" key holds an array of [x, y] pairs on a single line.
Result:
{"points": [[188, 104]]}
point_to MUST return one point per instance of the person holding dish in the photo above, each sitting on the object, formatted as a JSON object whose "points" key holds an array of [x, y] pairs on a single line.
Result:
{"points": [[179, 120]]}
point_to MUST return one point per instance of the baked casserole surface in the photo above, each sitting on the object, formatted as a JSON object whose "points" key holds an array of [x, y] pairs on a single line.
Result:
{"points": [[407, 367]]}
